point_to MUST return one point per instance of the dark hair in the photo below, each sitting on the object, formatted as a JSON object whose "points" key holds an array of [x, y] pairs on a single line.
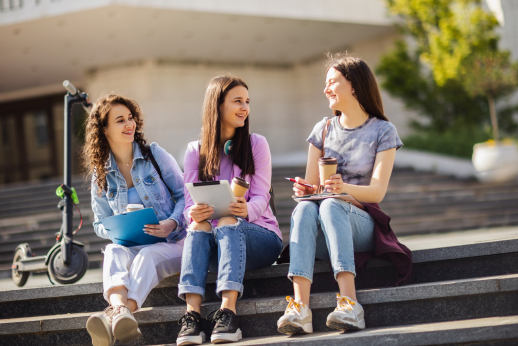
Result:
{"points": [[210, 149], [96, 150], [363, 82]]}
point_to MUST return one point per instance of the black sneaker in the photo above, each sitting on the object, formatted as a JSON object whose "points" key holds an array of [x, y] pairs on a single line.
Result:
{"points": [[226, 329], [191, 332]]}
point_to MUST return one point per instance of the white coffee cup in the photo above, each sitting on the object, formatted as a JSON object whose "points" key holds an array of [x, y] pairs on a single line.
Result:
{"points": [[134, 207]]}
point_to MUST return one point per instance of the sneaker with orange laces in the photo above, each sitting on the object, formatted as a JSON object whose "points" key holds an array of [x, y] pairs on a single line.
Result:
{"points": [[348, 315], [297, 318]]}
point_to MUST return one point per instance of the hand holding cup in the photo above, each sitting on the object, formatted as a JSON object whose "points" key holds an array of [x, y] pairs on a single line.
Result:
{"points": [[334, 184]]}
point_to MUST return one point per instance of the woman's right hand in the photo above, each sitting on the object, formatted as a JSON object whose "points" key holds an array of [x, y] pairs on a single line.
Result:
{"points": [[201, 212], [301, 190]]}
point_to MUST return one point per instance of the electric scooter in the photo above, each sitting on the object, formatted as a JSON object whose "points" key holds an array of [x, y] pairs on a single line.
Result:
{"points": [[67, 261]]}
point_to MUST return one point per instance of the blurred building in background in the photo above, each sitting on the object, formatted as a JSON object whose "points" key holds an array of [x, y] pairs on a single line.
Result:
{"points": [[163, 53]]}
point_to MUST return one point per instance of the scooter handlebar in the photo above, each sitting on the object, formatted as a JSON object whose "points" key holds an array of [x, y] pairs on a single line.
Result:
{"points": [[70, 88]]}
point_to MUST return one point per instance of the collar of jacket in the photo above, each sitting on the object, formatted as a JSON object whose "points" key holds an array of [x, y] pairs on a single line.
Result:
{"points": [[111, 165]]}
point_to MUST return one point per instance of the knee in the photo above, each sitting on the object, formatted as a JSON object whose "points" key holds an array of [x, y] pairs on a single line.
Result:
{"points": [[202, 226], [227, 221], [333, 204], [114, 249], [306, 209]]}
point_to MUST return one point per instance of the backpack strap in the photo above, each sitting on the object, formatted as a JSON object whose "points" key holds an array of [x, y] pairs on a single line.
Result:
{"points": [[324, 134], [157, 167]]}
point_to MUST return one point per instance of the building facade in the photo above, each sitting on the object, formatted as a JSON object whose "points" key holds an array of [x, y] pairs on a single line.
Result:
{"points": [[163, 52]]}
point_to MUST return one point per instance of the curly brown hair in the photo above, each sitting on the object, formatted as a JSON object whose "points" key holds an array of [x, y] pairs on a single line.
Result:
{"points": [[96, 150]]}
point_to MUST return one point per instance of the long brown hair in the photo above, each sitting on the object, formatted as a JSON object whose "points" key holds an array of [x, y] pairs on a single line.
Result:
{"points": [[96, 150], [210, 149], [363, 82]]}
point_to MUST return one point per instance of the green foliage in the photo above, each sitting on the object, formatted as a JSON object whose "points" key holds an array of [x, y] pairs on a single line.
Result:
{"points": [[491, 74], [404, 77], [453, 74], [448, 32], [454, 142]]}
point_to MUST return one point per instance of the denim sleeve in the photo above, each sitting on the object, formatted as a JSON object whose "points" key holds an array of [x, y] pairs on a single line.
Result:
{"points": [[101, 209], [259, 195], [173, 178]]}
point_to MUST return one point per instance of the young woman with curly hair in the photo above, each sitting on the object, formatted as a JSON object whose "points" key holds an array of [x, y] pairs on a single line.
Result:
{"points": [[118, 159], [250, 239]]}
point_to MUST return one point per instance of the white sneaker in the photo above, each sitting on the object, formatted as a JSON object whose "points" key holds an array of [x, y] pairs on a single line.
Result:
{"points": [[124, 325], [348, 315], [297, 318], [99, 326]]}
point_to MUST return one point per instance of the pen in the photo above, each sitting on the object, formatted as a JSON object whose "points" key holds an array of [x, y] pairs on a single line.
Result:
{"points": [[293, 180]]}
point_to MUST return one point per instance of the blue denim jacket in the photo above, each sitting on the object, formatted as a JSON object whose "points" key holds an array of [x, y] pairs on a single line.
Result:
{"points": [[150, 188]]}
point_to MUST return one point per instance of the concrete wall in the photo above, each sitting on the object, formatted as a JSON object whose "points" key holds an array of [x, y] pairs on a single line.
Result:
{"points": [[286, 101]]}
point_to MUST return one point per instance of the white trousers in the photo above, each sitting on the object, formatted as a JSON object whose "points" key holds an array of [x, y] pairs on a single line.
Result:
{"points": [[140, 268]]}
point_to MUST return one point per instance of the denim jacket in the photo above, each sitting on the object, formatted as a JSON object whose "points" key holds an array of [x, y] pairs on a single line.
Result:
{"points": [[149, 186]]}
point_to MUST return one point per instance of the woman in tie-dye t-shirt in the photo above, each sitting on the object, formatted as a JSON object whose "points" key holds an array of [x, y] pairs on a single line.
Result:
{"points": [[364, 143]]}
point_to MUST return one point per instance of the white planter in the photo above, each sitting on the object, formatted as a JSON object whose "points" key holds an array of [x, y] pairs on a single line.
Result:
{"points": [[495, 163]]}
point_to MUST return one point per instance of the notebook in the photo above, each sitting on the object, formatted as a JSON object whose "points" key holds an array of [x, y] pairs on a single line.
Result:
{"points": [[128, 229]]}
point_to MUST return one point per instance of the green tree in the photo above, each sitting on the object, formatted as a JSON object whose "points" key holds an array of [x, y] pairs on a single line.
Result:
{"points": [[491, 75], [436, 76]]}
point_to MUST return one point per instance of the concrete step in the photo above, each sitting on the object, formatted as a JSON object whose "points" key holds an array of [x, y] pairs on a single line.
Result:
{"points": [[429, 266], [476, 332], [413, 304]]}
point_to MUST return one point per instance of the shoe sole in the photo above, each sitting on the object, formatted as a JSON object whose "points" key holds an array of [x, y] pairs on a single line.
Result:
{"points": [[126, 329], [292, 329], [99, 332], [191, 340], [339, 325], [226, 337]]}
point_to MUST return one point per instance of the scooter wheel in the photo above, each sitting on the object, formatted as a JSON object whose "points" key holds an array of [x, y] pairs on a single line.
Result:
{"points": [[74, 271], [19, 278]]}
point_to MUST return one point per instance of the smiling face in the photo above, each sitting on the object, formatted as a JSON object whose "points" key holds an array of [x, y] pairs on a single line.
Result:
{"points": [[338, 90], [234, 110], [121, 125]]}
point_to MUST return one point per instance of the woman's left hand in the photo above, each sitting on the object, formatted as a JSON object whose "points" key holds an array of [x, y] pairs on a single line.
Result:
{"points": [[335, 184], [162, 230], [240, 208]]}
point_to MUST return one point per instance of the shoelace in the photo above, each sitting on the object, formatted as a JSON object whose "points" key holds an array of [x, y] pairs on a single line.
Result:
{"points": [[117, 310], [219, 317], [344, 303], [189, 318], [293, 305]]}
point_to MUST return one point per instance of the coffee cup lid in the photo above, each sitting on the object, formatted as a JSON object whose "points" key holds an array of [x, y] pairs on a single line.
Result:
{"points": [[327, 161], [241, 182], [134, 206]]}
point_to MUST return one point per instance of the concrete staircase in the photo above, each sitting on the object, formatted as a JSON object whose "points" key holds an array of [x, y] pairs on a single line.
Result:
{"points": [[457, 296], [417, 202]]}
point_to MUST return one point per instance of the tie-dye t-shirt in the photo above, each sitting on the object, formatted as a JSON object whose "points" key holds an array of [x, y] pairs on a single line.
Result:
{"points": [[356, 149]]}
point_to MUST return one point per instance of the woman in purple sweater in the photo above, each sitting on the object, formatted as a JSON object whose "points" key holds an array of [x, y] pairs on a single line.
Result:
{"points": [[251, 239]]}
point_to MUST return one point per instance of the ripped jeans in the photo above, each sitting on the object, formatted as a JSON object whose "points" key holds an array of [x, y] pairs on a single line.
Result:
{"points": [[229, 251], [139, 268]]}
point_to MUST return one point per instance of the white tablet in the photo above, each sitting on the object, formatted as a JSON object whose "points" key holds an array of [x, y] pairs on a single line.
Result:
{"points": [[216, 194]]}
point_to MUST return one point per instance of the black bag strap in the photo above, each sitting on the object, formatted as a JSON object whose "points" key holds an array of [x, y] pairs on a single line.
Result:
{"points": [[157, 167]]}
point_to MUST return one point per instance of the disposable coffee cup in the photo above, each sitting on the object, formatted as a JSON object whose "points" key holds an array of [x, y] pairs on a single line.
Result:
{"points": [[239, 186], [134, 207], [326, 168]]}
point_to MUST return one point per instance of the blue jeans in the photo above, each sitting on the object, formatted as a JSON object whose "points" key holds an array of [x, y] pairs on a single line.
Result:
{"points": [[229, 251], [329, 229]]}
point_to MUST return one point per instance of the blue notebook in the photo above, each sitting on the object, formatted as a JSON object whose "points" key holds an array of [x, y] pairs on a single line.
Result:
{"points": [[128, 229]]}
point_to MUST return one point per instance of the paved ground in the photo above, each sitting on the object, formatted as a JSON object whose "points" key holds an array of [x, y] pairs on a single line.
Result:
{"points": [[416, 242]]}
